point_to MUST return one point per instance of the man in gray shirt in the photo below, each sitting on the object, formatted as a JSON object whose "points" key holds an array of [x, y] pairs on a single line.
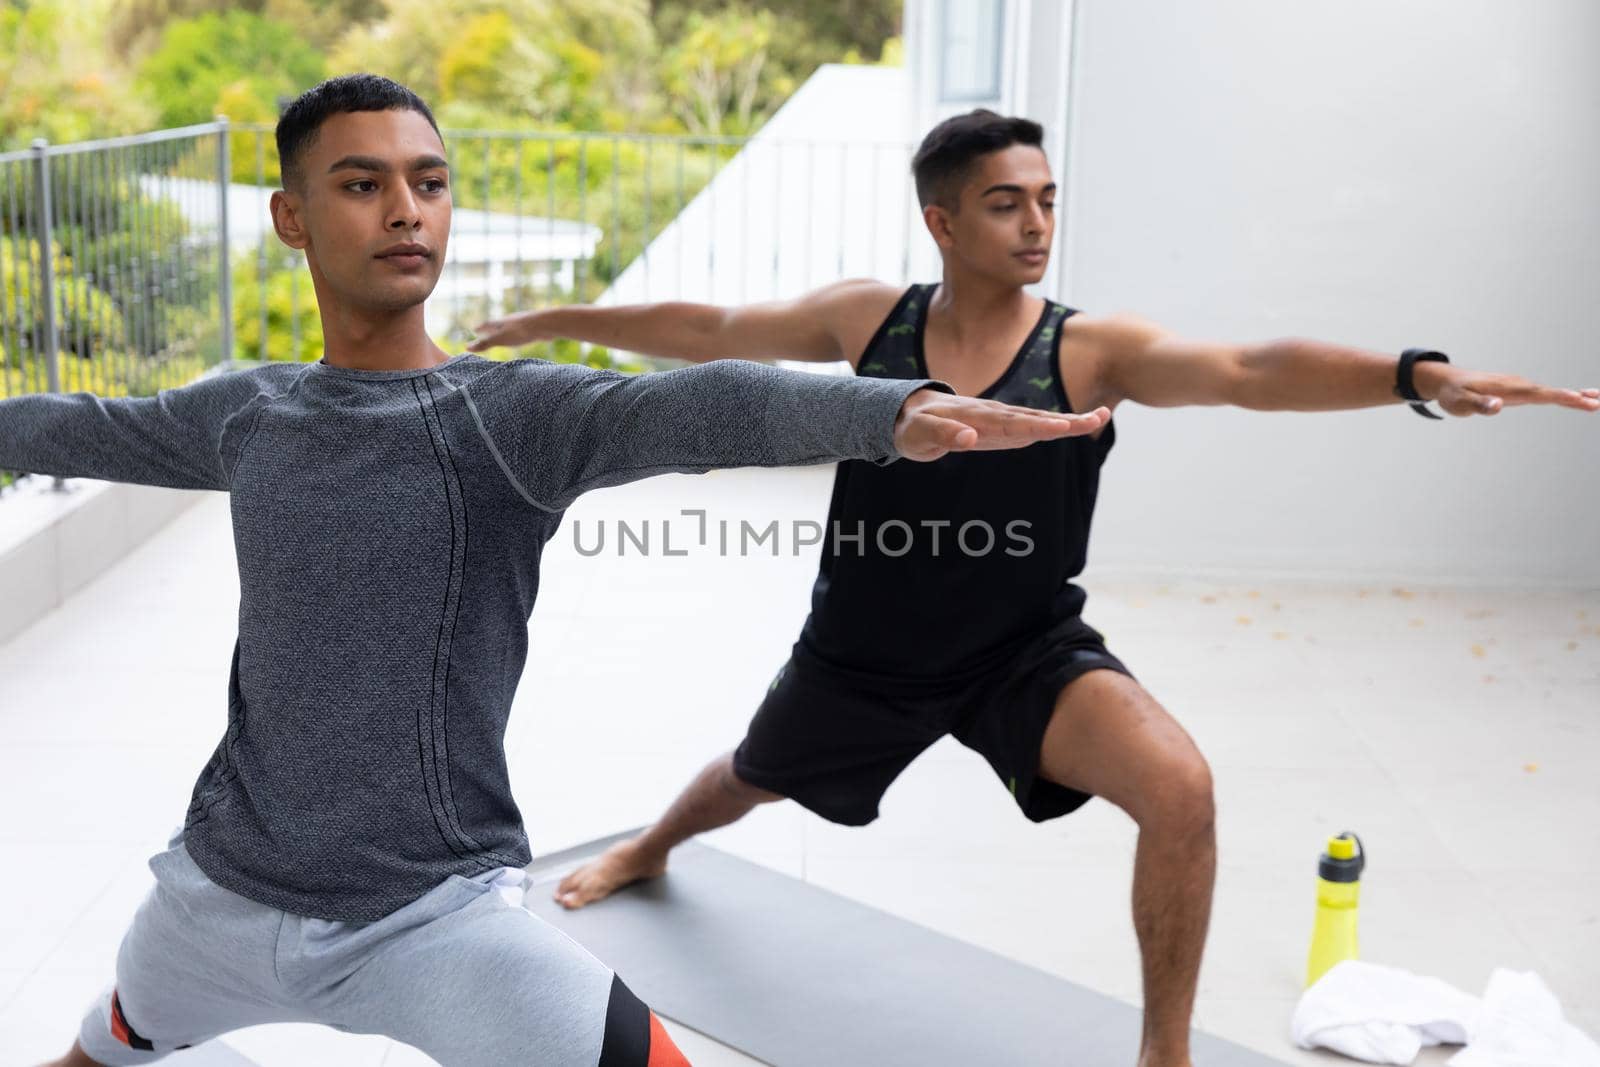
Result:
{"points": [[352, 850]]}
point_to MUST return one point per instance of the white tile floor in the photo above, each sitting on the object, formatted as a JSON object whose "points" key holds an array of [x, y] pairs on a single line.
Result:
{"points": [[1457, 730]]}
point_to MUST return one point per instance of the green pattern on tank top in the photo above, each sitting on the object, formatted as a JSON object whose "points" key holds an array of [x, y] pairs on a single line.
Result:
{"points": [[894, 354], [1030, 381]]}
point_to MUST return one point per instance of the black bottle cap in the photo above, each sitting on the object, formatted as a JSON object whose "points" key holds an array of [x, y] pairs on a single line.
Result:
{"points": [[1330, 869]]}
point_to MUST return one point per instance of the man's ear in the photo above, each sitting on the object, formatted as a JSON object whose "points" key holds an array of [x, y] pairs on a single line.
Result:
{"points": [[286, 219], [937, 218]]}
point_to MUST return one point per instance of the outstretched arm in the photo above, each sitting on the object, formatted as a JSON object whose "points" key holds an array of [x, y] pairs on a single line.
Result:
{"points": [[817, 327], [561, 430], [1140, 361], [170, 439]]}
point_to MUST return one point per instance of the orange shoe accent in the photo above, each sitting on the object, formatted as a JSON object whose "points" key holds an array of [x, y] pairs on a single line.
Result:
{"points": [[663, 1052]]}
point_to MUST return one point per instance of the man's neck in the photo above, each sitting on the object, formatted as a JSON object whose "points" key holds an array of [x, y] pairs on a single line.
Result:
{"points": [[972, 306], [384, 340]]}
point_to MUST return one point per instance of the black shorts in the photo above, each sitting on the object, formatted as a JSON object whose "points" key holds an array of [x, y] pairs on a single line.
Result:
{"points": [[834, 739]]}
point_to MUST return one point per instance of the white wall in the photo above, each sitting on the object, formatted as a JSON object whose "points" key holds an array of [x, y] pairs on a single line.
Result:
{"points": [[1376, 173]]}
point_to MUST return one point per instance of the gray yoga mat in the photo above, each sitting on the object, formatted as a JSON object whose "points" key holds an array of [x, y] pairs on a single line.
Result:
{"points": [[797, 976]]}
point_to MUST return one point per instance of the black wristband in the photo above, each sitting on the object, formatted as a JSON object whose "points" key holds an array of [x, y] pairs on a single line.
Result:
{"points": [[1405, 387]]}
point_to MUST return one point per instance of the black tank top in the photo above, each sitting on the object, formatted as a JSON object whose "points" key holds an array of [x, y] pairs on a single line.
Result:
{"points": [[940, 570]]}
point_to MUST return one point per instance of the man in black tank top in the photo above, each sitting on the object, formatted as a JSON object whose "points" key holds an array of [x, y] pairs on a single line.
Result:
{"points": [[946, 602]]}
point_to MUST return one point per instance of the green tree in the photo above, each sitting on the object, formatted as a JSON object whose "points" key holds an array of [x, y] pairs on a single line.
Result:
{"points": [[492, 61], [55, 79], [252, 152], [404, 44], [87, 321], [553, 63], [837, 28], [135, 26], [805, 33], [293, 324], [718, 74], [101, 347], [199, 60], [321, 22]]}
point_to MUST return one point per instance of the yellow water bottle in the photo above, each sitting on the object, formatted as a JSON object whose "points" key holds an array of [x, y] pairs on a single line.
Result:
{"points": [[1333, 938]]}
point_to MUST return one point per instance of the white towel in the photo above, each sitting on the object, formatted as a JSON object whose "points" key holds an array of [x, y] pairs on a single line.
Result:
{"points": [[1521, 1025], [1382, 1014]]}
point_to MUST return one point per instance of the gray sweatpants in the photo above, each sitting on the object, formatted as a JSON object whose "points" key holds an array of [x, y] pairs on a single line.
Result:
{"points": [[465, 973]]}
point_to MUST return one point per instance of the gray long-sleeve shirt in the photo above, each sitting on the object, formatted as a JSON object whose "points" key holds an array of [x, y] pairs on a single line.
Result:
{"points": [[388, 527]]}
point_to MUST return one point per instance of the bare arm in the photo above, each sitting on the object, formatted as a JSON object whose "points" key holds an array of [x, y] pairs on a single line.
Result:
{"points": [[817, 327], [1142, 362]]}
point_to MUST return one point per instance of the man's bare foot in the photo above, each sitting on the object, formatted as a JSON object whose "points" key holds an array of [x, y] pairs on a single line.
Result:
{"points": [[620, 865]]}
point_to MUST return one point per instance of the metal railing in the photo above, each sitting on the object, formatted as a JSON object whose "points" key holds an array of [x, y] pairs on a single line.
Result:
{"points": [[543, 218], [108, 283], [112, 281], [137, 263]]}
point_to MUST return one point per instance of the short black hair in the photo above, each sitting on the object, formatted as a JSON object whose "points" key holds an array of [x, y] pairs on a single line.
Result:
{"points": [[305, 114], [945, 157]]}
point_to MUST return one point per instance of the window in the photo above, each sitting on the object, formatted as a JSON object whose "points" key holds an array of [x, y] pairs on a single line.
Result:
{"points": [[969, 53]]}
